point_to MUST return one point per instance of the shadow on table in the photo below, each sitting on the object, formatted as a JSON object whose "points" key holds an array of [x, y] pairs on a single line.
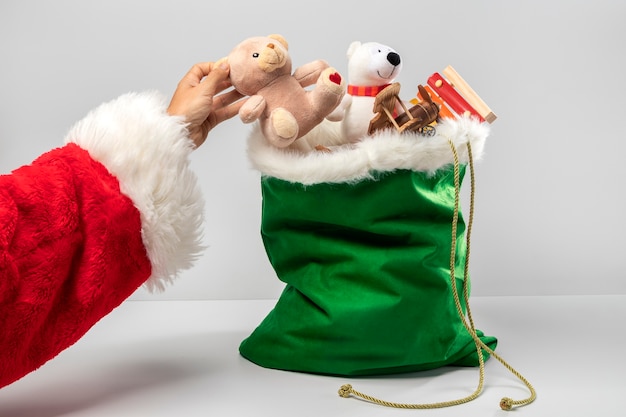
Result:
{"points": [[85, 377]]}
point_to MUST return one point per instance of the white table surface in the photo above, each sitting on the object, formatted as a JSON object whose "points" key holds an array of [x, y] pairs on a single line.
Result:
{"points": [[180, 358]]}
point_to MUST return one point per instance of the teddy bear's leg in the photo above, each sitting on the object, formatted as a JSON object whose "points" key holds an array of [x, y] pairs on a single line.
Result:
{"points": [[329, 90], [281, 128]]}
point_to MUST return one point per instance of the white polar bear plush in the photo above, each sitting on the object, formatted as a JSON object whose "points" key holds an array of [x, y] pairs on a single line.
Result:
{"points": [[371, 67]]}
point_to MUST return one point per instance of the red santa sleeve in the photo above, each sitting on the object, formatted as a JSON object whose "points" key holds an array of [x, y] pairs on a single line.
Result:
{"points": [[85, 225]]}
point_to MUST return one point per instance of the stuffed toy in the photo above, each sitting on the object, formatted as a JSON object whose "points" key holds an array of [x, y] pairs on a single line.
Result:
{"points": [[372, 66], [261, 67]]}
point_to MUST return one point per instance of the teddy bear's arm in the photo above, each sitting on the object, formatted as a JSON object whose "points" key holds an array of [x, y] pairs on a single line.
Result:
{"points": [[308, 74], [252, 109]]}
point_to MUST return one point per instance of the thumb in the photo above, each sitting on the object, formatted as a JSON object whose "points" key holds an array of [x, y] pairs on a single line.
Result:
{"points": [[218, 79]]}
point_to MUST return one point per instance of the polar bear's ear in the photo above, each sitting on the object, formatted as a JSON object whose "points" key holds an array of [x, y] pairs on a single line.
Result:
{"points": [[280, 39], [353, 47]]}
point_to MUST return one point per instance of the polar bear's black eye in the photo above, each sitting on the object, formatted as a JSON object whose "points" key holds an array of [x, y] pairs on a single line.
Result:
{"points": [[255, 55]]}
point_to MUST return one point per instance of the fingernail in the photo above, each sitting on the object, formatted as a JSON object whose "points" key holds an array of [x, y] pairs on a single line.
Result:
{"points": [[223, 63]]}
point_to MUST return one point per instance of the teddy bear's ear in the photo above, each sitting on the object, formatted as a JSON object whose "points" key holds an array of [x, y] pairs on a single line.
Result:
{"points": [[280, 39], [353, 47]]}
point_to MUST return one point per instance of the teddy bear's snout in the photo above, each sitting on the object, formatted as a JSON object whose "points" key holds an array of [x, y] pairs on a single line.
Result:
{"points": [[272, 58]]}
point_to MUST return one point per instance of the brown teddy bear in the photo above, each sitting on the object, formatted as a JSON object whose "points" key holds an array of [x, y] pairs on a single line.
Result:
{"points": [[260, 67]]}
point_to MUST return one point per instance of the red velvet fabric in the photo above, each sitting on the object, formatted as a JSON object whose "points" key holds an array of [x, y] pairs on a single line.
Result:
{"points": [[70, 252]]}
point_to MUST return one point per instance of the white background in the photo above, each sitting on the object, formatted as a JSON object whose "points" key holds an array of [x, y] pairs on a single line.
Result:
{"points": [[550, 187]]}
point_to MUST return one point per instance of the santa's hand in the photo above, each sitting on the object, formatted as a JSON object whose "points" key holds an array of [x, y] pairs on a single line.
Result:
{"points": [[195, 99]]}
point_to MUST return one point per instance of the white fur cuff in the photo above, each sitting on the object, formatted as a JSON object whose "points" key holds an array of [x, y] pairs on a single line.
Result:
{"points": [[148, 151], [383, 152]]}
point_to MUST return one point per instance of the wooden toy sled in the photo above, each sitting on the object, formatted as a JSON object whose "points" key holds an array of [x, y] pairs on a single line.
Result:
{"points": [[417, 118]]}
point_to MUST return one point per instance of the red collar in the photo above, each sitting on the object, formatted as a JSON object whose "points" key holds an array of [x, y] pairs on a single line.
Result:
{"points": [[367, 91]]}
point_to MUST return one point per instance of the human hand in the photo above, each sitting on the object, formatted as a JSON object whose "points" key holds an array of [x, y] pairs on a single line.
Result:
{"points": [[197, 101]]}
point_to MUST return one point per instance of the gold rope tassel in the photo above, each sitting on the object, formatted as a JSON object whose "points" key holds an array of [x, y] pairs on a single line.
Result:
{"points": [[506, 403]]}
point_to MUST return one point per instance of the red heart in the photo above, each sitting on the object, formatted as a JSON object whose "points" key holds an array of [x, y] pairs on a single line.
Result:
{"points": [[336, 78]]}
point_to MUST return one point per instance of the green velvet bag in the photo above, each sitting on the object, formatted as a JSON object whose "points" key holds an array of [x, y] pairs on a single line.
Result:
{"points": [[371, 244], [362, 238], [368, 280]]}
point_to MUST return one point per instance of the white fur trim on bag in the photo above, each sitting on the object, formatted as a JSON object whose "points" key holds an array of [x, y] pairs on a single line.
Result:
{"points": [[148, 151], [382, 152]]}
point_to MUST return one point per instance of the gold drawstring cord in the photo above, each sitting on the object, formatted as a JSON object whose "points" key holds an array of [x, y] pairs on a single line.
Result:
{"points": [[505, 403]]}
